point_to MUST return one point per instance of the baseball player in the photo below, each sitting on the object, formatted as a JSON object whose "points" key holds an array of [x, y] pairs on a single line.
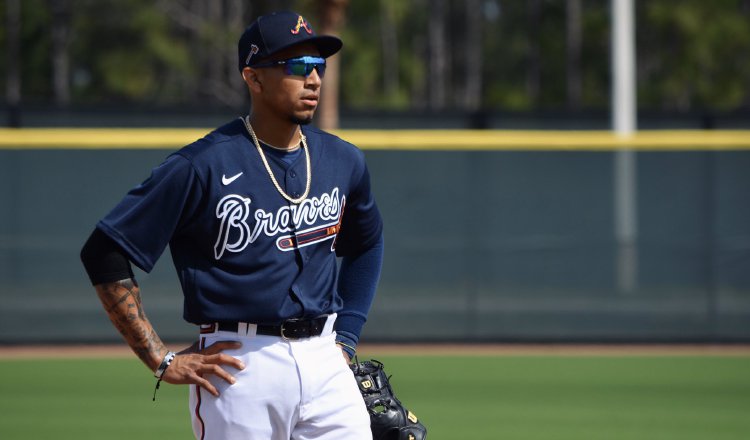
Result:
{"points": [[255, 215]]}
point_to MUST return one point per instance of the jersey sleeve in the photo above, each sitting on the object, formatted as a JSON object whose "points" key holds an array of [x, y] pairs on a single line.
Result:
{"points": [[143, 223], [362, 224], [357, 283]]}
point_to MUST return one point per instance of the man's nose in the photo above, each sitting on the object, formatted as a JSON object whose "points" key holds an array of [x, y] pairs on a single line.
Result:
{"points": [[313, 79]]}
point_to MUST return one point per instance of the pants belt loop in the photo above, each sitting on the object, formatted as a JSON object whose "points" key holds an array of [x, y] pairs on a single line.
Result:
{"points": [[208, 328], [242, 328], [328, 328], [252, 330]]}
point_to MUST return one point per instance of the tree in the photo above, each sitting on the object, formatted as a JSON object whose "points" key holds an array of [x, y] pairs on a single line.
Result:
{"points": [[439, 55], [331, 15], [696, 54], [389, 48], [534, 57], [212, 28], [573, 34], [60, 56], [473, 79], [416, 54], [13, 54]]}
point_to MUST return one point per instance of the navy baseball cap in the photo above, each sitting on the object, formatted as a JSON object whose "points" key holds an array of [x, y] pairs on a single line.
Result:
{"points": [[277, 31]]}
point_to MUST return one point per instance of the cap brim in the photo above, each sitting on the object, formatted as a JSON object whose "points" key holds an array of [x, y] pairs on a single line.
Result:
{"points": [[327, 44]]}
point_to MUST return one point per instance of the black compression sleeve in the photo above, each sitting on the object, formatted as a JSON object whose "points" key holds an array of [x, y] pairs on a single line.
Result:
{"points": [[103, 259]]}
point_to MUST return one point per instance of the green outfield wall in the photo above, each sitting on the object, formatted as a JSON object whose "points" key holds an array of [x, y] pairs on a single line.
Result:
{"points": [[490, 235]]}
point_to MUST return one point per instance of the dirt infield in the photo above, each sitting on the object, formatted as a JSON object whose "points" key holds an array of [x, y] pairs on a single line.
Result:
{"points": [[122, 351]]}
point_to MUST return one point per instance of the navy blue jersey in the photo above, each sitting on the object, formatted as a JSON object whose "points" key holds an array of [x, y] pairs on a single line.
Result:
{"points": [[241, 251]]}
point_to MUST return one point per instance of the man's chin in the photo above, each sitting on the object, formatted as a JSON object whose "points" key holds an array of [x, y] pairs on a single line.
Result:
{"points": [[302, 121]]}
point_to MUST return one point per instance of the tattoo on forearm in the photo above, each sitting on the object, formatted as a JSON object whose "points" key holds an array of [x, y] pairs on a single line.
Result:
{"points": [[122, 301]]}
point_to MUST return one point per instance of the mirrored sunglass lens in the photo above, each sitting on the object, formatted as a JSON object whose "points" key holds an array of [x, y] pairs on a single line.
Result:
{"points": [[302, 69], [321, 69], [305, 67]]}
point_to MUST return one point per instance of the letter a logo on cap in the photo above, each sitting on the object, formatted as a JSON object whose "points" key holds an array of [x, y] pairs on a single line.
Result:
{"points": [[301, 23]]}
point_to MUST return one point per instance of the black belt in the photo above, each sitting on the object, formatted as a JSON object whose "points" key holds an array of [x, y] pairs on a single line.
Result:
{"points": [[289, 329]]}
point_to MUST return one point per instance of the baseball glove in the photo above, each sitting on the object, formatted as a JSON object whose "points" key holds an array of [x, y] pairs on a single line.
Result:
{"points": [[389, 420]]}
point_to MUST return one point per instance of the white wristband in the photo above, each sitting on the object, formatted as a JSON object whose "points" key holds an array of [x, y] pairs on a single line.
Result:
{"points": [[164, 364]]}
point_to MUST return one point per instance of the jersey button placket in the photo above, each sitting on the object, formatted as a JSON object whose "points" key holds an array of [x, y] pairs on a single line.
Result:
{"points": [[293, 183]]}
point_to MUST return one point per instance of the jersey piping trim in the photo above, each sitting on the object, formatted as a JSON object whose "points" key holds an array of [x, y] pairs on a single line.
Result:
{"points": [[198, 399]]}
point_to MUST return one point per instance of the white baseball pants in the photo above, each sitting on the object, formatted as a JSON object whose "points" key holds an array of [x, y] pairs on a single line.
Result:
{"points": [[289, 390]]}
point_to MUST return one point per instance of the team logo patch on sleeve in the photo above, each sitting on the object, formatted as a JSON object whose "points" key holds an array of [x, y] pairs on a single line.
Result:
{"points": [[253, 50]]}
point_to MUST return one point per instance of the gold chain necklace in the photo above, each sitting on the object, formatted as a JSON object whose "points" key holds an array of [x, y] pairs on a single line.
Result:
{"points": [[246, 121], [285, 150]]}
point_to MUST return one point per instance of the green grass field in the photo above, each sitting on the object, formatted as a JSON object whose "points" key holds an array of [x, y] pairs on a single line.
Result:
{"points": [[457, 397]]}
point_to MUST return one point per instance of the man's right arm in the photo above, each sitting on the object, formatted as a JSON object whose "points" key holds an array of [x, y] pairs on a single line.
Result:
{"points": [[110, 271], [122, 302]]}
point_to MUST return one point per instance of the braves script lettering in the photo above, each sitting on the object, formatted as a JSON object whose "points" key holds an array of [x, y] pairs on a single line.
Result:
{"points": [[233, 211]]}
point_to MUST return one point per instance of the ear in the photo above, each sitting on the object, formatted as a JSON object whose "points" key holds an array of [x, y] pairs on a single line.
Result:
{"points": [[252, 79]]}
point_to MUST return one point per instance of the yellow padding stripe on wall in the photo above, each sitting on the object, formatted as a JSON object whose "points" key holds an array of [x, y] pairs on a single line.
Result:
{"points": [[98, 138], [448, 140]]}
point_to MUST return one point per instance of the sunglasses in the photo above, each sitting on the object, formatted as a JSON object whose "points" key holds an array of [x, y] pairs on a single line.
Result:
{"points": [[301, 66]]}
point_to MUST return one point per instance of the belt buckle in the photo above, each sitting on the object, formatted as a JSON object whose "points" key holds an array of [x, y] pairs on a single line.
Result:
{"points": [[285, 337]]}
